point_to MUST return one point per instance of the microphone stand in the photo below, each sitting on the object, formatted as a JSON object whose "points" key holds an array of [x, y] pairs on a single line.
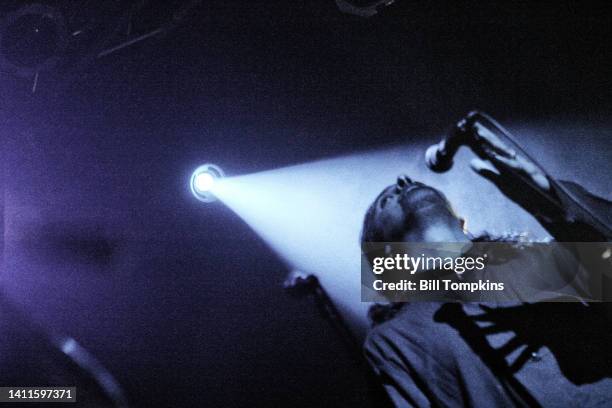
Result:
{"points": [[299, 284]]}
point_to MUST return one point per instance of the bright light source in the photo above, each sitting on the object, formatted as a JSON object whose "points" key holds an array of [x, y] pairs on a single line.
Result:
{"points": [[203, 181]]}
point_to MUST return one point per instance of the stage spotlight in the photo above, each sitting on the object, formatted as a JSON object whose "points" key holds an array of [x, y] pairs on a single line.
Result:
{"points": [[32, 39], [203, 181]]}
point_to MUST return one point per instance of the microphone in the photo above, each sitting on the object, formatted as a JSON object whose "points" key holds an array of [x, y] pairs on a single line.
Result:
{"points": [[439, 157], [477, 130]]}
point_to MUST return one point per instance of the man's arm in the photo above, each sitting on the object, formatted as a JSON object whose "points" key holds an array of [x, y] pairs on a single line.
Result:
{"points": [[586, 217], [566, 210]]}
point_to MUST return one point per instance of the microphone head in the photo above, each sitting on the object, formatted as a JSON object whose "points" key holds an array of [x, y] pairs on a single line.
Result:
{"points": [[436, 160]]}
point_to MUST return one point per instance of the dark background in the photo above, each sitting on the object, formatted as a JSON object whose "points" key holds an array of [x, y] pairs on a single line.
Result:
{"points": [[183, 303]]}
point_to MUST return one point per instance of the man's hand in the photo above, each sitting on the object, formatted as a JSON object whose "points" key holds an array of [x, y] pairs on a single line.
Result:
{"points": [[517, 177]]}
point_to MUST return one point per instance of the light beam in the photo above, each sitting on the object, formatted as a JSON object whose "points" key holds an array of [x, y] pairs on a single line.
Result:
{"points": [[311, 214]]}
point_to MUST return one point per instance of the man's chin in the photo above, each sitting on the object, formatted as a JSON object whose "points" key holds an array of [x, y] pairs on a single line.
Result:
{"points": [[418, 193], [428, 208], [424, 201]]}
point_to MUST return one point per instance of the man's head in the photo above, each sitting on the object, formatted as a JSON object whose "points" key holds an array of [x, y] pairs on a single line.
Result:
{"points": [[409, 211]]}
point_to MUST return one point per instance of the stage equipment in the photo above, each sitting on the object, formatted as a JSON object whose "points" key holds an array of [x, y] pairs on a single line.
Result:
{"points": [[38, 40], [32, 39], [300, 284], [203, 182], [362, 8]]}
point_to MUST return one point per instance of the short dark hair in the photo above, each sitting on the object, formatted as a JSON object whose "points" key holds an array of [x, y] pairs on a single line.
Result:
{"points": [[369, 230]]}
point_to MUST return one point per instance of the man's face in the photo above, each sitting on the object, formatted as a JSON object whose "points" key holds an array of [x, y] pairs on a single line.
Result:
{"points": [[409, 211]]}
